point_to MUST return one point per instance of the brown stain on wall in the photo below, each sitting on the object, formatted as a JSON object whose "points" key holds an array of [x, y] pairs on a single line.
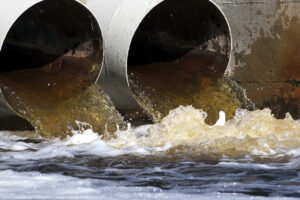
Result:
{"points": [[271, 72]]}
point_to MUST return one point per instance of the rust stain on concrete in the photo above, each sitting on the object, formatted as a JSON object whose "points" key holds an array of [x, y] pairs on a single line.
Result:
{"points": [[271, 72]]}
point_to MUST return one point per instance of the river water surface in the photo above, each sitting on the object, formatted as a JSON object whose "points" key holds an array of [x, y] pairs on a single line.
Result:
{"points": [[253, 156]]}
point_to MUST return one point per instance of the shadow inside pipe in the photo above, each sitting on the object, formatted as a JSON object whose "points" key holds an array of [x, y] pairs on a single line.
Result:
{"points": [[49, 62], [178, 56]]}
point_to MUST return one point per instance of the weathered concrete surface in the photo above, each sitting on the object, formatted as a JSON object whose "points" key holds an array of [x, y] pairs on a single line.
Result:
{"points": [[265, 57]]}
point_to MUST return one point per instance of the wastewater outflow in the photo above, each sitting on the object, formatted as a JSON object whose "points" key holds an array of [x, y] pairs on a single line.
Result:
{"points": [[176, 60], [180, 86], [49, 68], [86, 142]]}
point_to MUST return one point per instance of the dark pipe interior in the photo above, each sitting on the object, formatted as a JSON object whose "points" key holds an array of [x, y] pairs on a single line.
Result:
{"points": [[45, 32], [176, 27], [180, 47], [52, 53]]}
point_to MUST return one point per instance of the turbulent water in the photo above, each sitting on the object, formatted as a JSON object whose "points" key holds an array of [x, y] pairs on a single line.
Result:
{"points": [[54, 96], [252, 156], [191, 80]]}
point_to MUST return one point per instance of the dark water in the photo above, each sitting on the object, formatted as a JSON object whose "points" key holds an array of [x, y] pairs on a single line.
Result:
{"points": [[189, 176]]}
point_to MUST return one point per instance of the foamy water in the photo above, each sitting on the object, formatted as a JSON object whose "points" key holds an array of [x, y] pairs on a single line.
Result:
{"points": [[253, 156], [248, 133]]}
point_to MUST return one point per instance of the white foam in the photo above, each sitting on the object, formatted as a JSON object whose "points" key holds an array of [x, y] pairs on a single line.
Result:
{"points": [[87, 136], [222, 119], [83, 142], [12, 142], [245, 165]]}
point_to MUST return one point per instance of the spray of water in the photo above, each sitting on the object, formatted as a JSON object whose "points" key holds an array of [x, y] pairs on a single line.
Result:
{"points": [[248, 133]]}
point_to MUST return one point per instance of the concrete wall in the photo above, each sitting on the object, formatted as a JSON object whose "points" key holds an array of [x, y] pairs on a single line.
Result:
{"points": [[265, 58]]}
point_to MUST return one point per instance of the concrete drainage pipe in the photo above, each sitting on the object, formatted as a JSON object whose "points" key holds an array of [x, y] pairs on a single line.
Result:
{"points": [[160, 51], [50, 51]]}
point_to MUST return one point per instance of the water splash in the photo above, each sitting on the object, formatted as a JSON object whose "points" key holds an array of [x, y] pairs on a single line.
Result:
{"points": [[60, 119], [248, 133], [161, 87], [184, 132]]}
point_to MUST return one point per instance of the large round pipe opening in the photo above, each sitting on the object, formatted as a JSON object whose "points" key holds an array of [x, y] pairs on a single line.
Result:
{"points": [[52, 53], [180, 49]]}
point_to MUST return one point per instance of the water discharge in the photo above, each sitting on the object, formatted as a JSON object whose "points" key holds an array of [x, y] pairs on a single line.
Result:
{"points": [[53, 98], [190, 80], [184, 130], [85, 151]]}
